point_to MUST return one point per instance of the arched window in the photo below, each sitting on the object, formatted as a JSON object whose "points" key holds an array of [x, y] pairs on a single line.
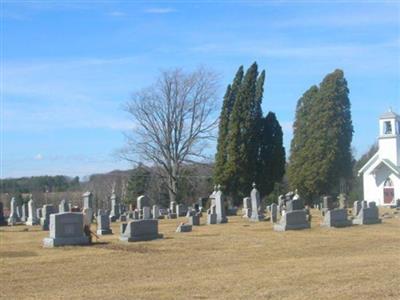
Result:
{"points": [[388, 183]]}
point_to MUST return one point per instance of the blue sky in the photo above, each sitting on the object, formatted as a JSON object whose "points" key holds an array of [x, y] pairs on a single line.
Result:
{"points": [[68, 67]]}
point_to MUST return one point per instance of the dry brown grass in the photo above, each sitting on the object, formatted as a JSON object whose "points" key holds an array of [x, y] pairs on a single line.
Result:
{"points": [[239, 260]]}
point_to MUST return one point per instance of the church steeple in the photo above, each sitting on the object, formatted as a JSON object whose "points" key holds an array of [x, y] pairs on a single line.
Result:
{"points": [[389, 137]]}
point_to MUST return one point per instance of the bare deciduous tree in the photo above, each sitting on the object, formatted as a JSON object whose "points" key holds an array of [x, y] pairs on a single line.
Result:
{"points": [[173, 120]]}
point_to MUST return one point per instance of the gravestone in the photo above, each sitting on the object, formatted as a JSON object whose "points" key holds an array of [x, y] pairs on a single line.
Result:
{"points": [[156, 212], [256, 207], [66, 229], [140, 230], [19, 213], [212, 215], [63, 206], [274, 213], [296, 204], [368, 215], [184, 228], [47, 210], [246, 210], [88, 209], [146, 213], [32, 218], [336, 218], [356, 208], [115, 212], [327, 203], [281, 202], [194, 220], [3, 221], [142, 201], [364, 204], [212, 196], [181, 210], [172, 207], [103, 223], [24, 213], [13, 218], [39, 213], [220, 206], [343, 202], [292, 220], [87, 216]]}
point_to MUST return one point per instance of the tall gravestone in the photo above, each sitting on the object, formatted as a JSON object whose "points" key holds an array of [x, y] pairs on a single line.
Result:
{"points": [[115, 209], [32, 218], [3, 221], [13, 218], [63, 206], [220, 207], [24, 212], [47, 210], [88, 205], [256, 207], [103, 223], [356, 208], [66, 229], [274, 213], [212, 196], [246, 210], [156, 212]]}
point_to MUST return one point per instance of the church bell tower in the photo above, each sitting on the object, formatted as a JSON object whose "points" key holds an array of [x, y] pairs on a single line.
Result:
{"points": [[389, 137]]}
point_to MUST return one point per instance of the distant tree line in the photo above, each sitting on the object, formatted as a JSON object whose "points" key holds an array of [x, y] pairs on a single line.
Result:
{"points": [[39, 184]]}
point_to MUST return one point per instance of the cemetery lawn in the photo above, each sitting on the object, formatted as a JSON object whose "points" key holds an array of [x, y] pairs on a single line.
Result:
{"points": [[238, 260]]}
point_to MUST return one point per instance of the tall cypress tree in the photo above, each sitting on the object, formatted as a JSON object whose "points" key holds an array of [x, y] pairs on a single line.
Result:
{"points": [[242, 151], [321, 146], [272, 159], [227, 106]]}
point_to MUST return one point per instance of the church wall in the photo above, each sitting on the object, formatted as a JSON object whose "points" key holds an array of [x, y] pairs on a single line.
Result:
{"points": [[373, 185]]}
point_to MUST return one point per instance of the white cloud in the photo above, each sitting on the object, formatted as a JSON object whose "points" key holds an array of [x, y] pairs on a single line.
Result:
{"points": [[38, 157], [159, 10], [117, 14]]}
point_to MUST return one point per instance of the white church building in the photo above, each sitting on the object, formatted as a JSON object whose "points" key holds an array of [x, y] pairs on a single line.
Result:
{"points": [[381, 174]]}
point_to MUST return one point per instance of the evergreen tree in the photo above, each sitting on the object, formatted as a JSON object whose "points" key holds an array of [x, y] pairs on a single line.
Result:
{"points": [[227, 106], [321, 146], [271, 161], [138, 182], [242, 150]]}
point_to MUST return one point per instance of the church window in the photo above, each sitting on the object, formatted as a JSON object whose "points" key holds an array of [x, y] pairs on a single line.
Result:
{"points": [[387, 127], [388, 183]]}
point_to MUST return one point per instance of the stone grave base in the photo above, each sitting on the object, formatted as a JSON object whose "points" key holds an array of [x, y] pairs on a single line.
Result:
{"points": [[140, 230], [359, 221], [57, 242], [336, 218], [184, 228]]}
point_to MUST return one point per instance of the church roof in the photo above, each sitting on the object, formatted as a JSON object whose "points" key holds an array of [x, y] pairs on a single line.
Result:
{"points": [[389, 115], [375, 162]]}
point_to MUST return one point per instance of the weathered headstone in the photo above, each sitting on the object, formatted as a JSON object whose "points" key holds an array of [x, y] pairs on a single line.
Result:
{"points": [[274, 213], [146, 213], [13, 218], [292, 220], [184, 228], [32, 218], [368, 215], [343, 202], [212, 215], [156, 212], [181, 210], [212, 196], [246, 210], [66, 229], [3, 221], [172, 207], [220, 207], [63, 206], [194, 220], [103, 224], [356, 207], [142, 201], [256, 207], [24, 212], [47, 210], [115, 212], [336, 218], [140, 230], [88, 209]]}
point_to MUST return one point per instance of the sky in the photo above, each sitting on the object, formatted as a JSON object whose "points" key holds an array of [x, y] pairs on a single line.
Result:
{"points": [[68, 67]]}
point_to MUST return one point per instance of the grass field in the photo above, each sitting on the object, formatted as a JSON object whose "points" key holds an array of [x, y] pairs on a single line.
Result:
{"points": [[238, 260]]}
